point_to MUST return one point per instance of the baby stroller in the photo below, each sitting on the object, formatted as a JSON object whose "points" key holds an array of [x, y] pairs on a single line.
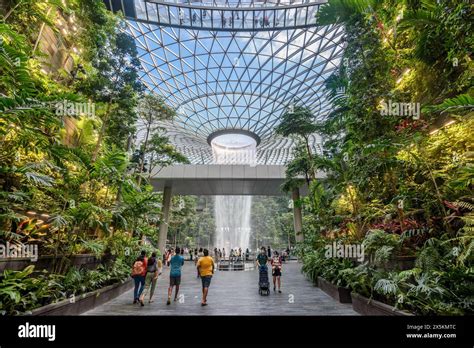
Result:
{"points": [[263, 284]]}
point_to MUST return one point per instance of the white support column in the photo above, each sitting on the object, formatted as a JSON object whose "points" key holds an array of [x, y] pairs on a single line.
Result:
{"points": [[166, 207]]}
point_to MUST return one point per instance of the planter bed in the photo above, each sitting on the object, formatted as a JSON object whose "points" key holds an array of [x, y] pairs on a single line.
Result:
{"points": [[365, 306], [86, 301], [338, 293], [88, 261]]}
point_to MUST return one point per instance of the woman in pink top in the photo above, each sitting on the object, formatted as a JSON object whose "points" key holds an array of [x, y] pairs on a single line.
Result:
{"points": [[276, 270]]}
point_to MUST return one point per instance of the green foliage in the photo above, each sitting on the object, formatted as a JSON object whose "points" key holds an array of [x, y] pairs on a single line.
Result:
{"points": [[21, 292], [271, 223], [340, 11], [75, 172], [317, 264], [380, 245]]}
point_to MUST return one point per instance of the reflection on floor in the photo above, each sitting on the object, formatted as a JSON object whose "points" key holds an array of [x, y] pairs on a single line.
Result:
{"points": [[232, 293]]}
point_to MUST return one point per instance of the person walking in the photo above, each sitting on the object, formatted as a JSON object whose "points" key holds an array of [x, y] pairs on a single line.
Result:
{"points": [[216, 255], [199, 255], [223, 254], [138, 275], [176, 263], [153, 270], [205, 267], [276, 270], [269, 252]]}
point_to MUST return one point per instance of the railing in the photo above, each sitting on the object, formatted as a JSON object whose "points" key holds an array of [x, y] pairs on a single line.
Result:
{"points": [[222, 16]]}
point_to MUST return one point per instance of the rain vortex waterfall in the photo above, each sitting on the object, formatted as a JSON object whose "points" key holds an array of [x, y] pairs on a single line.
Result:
{"points": [[232, 213]]}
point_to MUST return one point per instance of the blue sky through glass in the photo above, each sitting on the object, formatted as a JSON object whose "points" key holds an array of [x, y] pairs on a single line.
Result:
{"points": [[236, 80]]}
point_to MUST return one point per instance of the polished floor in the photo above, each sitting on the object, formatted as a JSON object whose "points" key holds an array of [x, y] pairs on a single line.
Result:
{"points": [[232, 293]]}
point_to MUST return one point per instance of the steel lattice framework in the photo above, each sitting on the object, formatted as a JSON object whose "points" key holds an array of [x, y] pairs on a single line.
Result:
{"points": [[223, 77]]}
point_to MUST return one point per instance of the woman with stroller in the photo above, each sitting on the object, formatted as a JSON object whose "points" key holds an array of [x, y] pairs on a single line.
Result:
{"points": [[262, 258], [263, 284]]}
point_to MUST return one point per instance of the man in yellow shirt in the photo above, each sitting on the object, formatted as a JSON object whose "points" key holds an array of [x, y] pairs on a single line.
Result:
{"points": [[205, 267]]}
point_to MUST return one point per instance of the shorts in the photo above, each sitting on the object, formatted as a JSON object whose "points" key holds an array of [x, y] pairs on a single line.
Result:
{"points": [[175, 280], [206, 281], [276, 272]]}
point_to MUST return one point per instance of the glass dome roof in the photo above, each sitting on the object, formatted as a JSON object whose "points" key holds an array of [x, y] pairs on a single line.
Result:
{"points": [[235, 79]]}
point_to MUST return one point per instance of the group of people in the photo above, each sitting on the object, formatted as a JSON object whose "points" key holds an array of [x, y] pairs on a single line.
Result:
{"points": [[263, 21], [234, 254], [275, 260], [145, 272]]}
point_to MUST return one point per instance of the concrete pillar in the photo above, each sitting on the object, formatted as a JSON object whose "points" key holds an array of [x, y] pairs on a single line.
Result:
{"points": [[165, 214], [297, 216]]}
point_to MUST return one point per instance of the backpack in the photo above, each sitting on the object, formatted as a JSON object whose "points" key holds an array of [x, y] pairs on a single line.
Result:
{"points": [[151, 267], [138, 268]]}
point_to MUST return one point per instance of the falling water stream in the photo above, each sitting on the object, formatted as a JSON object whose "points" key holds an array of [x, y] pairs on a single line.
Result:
{"points": [[232, 213]]}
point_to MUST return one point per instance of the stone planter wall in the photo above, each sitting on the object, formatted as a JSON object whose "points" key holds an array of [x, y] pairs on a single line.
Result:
{"points": [[88, 261], [85, 302], [365, 306], [338, 293]]}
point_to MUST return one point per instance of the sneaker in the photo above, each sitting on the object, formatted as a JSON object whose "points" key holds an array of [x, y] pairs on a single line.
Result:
{"points": [[135, 301], [168, 302], [274, 289], [141, 303], [279, 291], [175, 299]]}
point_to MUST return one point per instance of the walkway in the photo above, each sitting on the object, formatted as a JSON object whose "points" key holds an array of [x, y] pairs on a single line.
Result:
{"points": [[232, 293]]}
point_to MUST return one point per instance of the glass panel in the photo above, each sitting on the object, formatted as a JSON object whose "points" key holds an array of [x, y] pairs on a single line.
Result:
{"points": [[290, 17], [195, 17], [222, 19], [140, 10], [181, 16], [228, 19], [280, 18], [301, 16], [312, 10], [205, 18], [239, 19], [174, 15], [248, 19], [259, 16], [163, 11]]}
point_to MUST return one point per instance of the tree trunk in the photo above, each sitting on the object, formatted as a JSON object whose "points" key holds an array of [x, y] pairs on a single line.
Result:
{"points": [[142, 162], [310, 159]]}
